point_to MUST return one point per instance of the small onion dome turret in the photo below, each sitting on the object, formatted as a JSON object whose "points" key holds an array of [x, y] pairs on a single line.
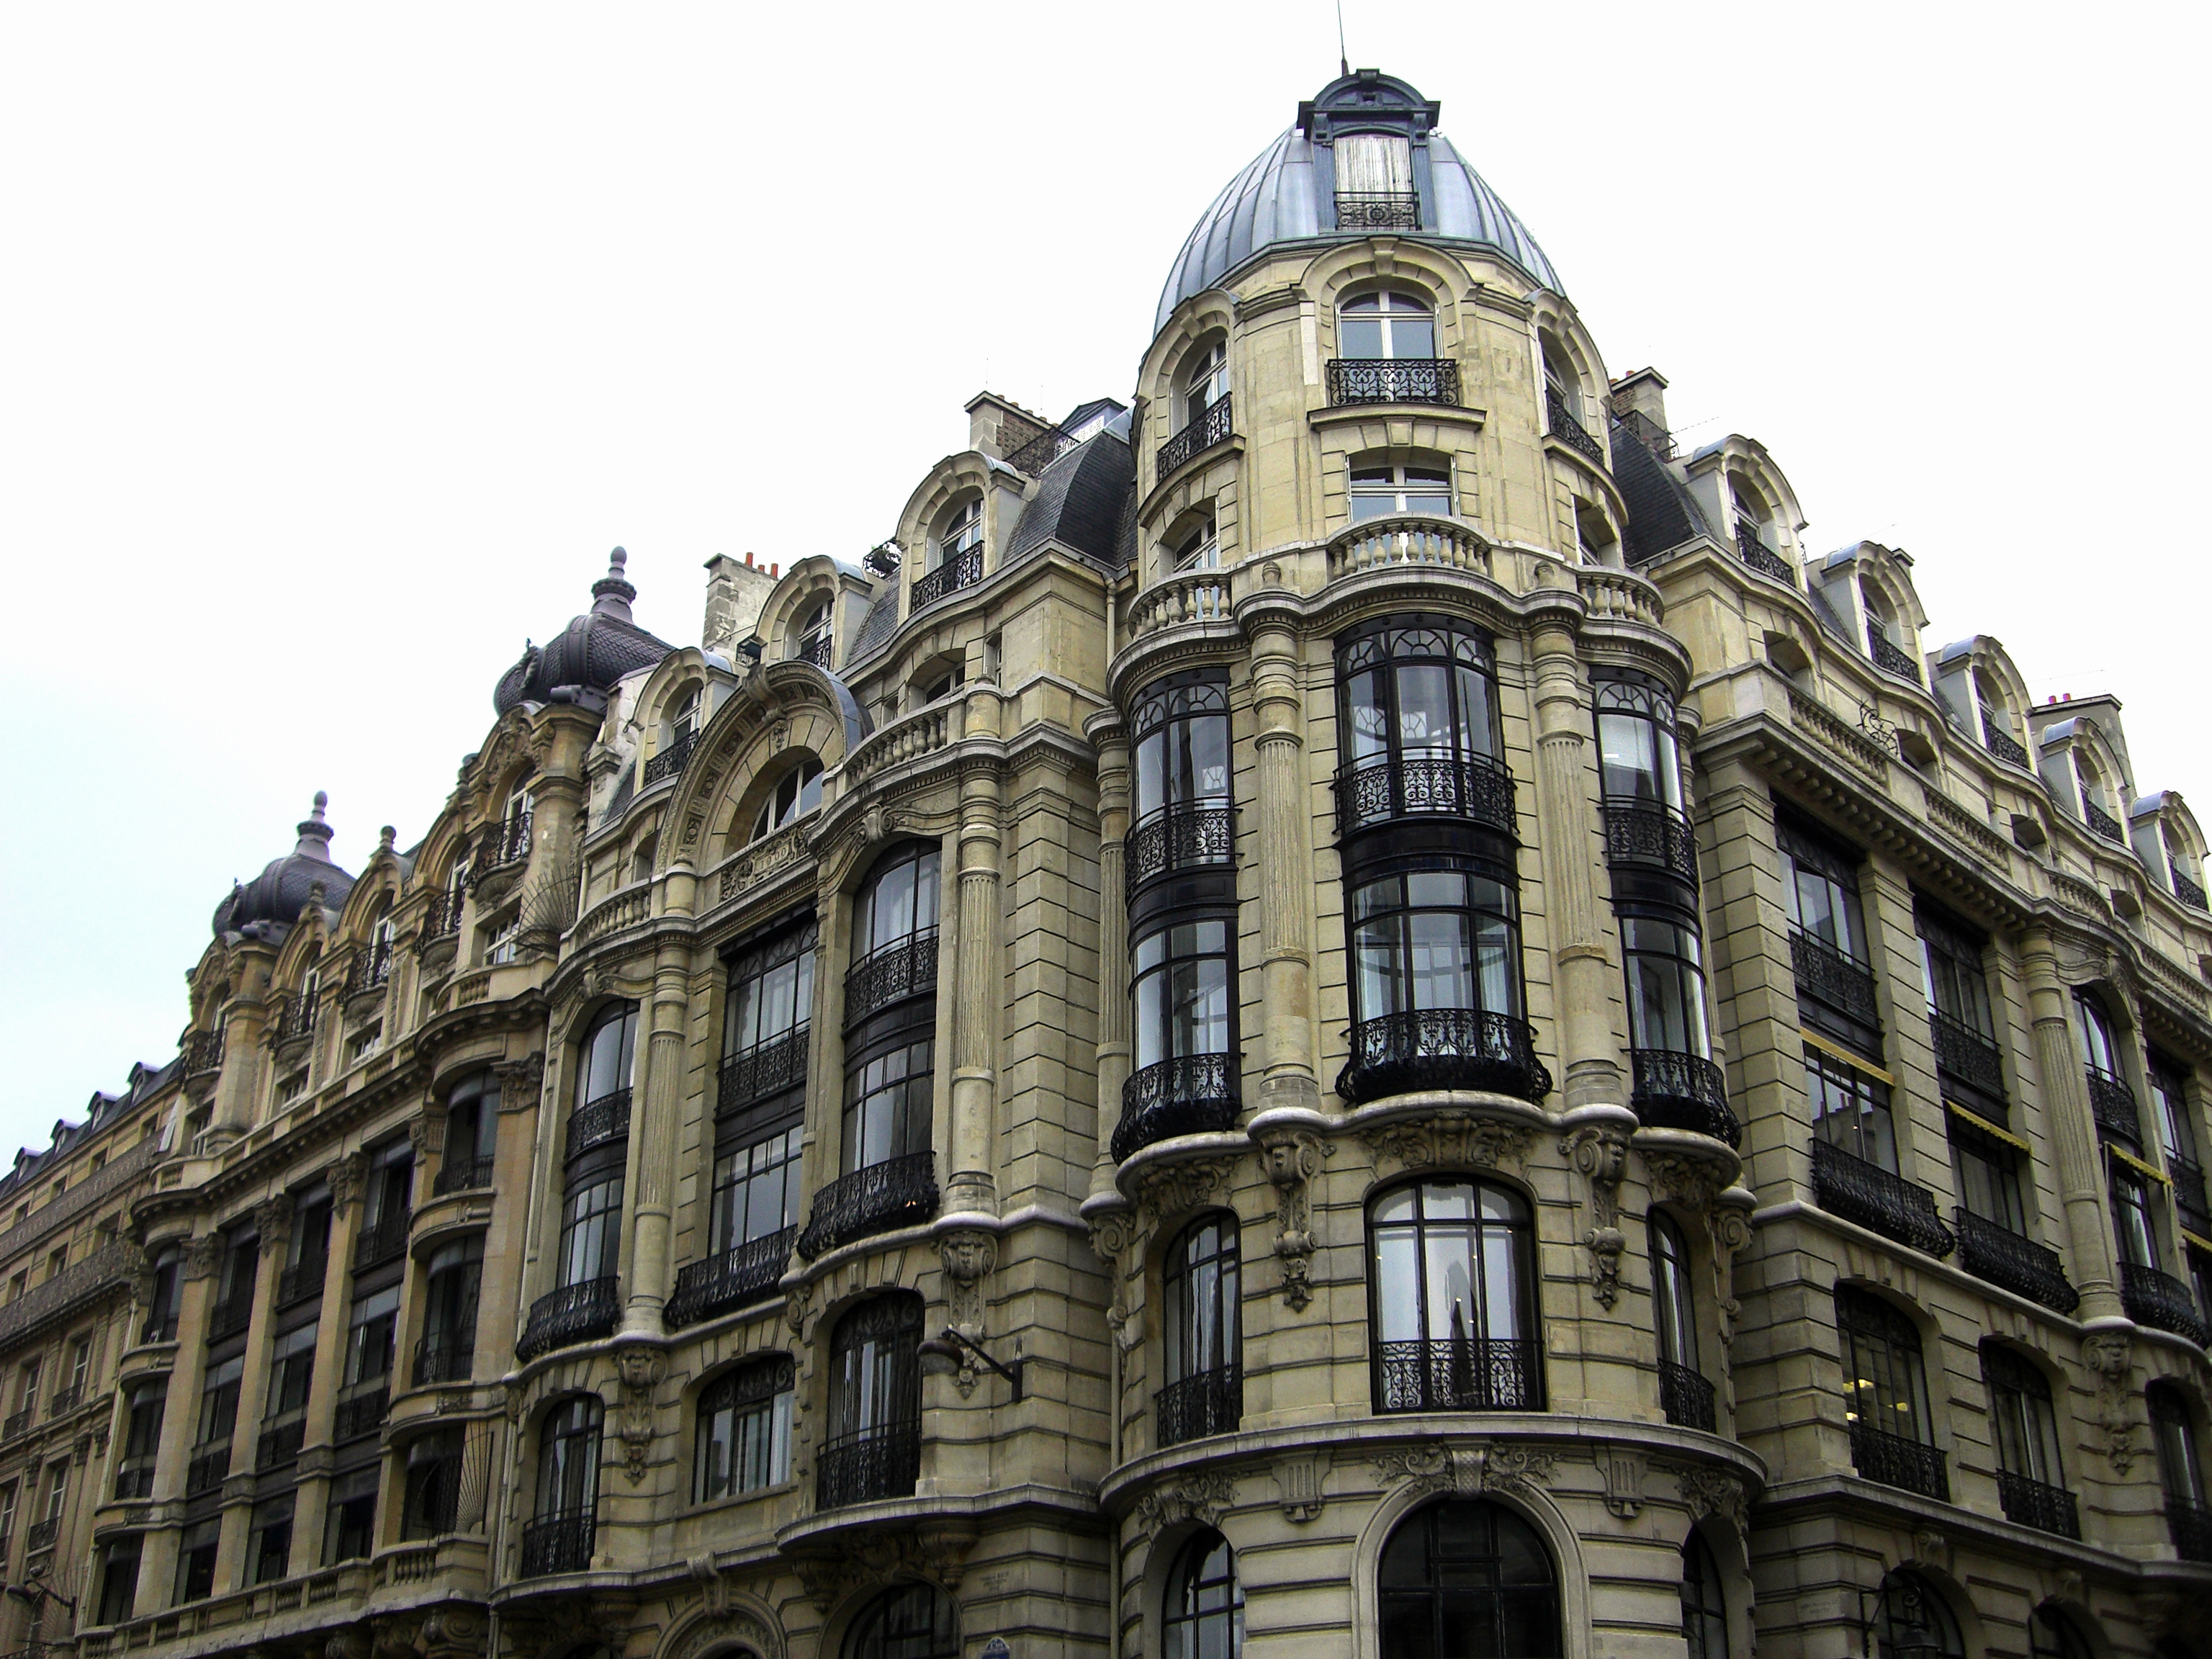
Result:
{"points": [[584, 661], [274, 896]]}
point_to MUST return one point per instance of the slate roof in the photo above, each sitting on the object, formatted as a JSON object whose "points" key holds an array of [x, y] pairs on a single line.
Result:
{"points": [[1663, 513], [1079, 502], [593, 652]]}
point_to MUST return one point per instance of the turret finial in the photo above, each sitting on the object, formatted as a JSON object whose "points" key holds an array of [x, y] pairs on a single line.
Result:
{"points": [[612, 592]]}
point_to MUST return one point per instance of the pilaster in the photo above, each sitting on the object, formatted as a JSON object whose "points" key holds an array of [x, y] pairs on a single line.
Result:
{"points": [[1287, 881], [2067, 1119]]}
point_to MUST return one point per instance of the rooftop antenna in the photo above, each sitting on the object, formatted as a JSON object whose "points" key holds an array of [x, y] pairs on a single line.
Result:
{"points": [[1343, 59]]}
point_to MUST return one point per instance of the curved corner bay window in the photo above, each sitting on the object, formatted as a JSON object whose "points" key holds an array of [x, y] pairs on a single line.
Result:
{"points": [[1684, 1393], [1916, 1623], [1467, 1579], [1184, 1079], [1180, 764], [744, 1430], [1203, 1614], [1418, 724], [1436, 988], [472, 1135], [894, 932], [583, 1304], [874, 1449], [1677, 1086], [766, 1020], [1704, 1603], [797, 792], [1452, 1299], [448, 1352], [914, 1621], [2030, 1482], [564, 1527], [1204, 379], [1640, 769], [1886, 1396], [1205, 1391]]}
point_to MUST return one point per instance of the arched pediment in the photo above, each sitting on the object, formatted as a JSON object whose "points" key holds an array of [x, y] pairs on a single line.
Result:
{"points": [[669, 681], [968, 472], [1436, 278], [785, 707], [1199, 318]]}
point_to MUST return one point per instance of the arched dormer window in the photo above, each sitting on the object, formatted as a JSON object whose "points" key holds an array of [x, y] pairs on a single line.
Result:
{"points": [[668, 761], [1386, 341], [1887, 636], [2101, 805], [1375, 182], [799, 792], [1204, 381], [2002, 731], [955, 554], [684, 724], [814, 638], [2186, 868]]}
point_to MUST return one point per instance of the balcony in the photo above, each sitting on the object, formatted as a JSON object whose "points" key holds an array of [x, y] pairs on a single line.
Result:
{"points": [[561, 1542], [207, 1471], [2187, 890], [1422, 541], [362, 1413], [501, 844], [203, 1053], [1685, 1396], [1459, 1374], [445, 1359], [383, 1240], [1850, 1187], [2112, 1105], [297, 1020], [575, 1313], [2031, 1504], [864, 1468], [1966, 1056], [1758, 556], [1569, 430], [896, 972], [1387, 787], [279, 1446], [443, 919], [2101, 824], [1647, 835], [2161, 1302], [764, 1070], [899, 1192], [669, 760], [2003, 1257], [371, 968], [232, 1315], [304, 1282], [2191, 1525], [19, 1423], [599, 1121], [134, 1478], [1393, 381], [2189, 1195], [1425, 1049], [736, 1279], [462, 1174], [2001, 744], [1212, 1402], [1890, 1459], [821, 651], [1888, 658], [42, 1535], [1188, 1095], [1827, 975], [1674, 1090], [1180, 838], [1377, 210], [65, 1400], [957, 570], [1209, 427]]}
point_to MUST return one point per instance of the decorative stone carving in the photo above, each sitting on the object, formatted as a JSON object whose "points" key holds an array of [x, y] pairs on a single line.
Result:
{"points": [[1932, 1549], [750, 1627], [1689, 1182], [139, 1264], [346, 1178], [1299, 1486], [1112, 1232], [1466, 1468], [2105, 1354], [1169, 1189], [935, 1551], [453, 1629], [799, 1307], [272, 1219], [1623, 1468], [1450, 1138], [423, 1136], [351, 1642], [1291, 1161], [1205, 1497], [968, 1255], [519, 1081], [1714, 1491], [201, 1255], [640, 1368], [1731, 1231], [1600, 1152]]}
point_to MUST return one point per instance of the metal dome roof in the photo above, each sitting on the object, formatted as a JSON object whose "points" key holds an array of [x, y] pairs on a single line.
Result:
{"points": [[1277, 198], [274, 896], [588, 656]]}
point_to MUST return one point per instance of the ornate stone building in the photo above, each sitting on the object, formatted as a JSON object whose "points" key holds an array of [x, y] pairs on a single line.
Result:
{"points": [[1352, 1008]]}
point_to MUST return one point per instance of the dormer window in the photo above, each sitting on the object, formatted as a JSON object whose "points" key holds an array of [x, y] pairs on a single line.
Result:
{"points": [[800, 791], [956, 560], [1886, 637], [685, 720], [962, 530], [1205, 382], [2098, 804], [1411, 486], [815, 634], [1562, 386], [1375, 183]]}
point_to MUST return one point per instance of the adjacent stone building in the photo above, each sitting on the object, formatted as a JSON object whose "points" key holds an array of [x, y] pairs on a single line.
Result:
{"points": [[1351, 1008]]}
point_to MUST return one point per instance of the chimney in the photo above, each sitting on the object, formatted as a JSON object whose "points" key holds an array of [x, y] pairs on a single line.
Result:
{"points": [[997, 426], [735, 593]]}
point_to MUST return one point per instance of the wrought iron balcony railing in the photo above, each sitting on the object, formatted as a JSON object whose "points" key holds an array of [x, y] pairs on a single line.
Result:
{"points": [[2187, 890], [297, 1018], [304, 1281], [864, 1468], [2113, 1104], [561, 1542], [1890, 1459], [203, 1053], [1878, 1200], [371, 968], [2190, 1524], [65, 1400], [362, 1413], [669, 761], [279, 1446], [2031, 1503], [575, 1313], [383, 1240], [2102, 823], [1442, 1048], [1685, 1396], [445, 1359], [444, 918], [767, 1068], [207, 1471], [1377, 210], [2189, 1196], [1569, 430], [232, 1315], [1891, 659], [459, 1174], [599, 1121], [1459, 1374], [882, 977], [2161, 1302], [735, 1279], [1760, 557], [959, 570], [2019, 1265], [42, 1535], [1187, 1095], [1040, 452], [1393, 381], [134, 1478], [1209, 427], [501, 844], [1648, 834], [899, 1192], [19, 1422], [1965, 1055], [1675, 1090], [1180, 838], [1212, 1402], [1474, 786], [2001, 744], [1827, 974]]}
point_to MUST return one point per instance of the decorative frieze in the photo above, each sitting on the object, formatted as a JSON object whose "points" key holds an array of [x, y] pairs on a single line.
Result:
{"points": [[1449, 1139], [1467, 1468]]}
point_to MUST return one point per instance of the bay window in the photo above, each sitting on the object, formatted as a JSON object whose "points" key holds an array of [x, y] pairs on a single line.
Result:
{"points": [[1418, 726], [1184, 1076], [1180, 779], [1452, 1299], [1201, 1327]]}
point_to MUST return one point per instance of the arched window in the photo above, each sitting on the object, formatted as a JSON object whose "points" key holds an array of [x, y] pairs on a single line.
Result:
{"points": [[961, 532], [472, 1134], [799, 791], [1915, 1622], [448, 1352], [814, 639], [561, 1536], [874, 1449], [1205, 1391], [610, 1050], [914, 1621], [744, 1430], [1684, 1393], [2000, 729], [2101, 805], [1185, 1077], [1452, 1299], [1196, 548], [1382, 487], [1389, 324], [2180, 1471], [598, 1138], [1203, 1614], [683, 723], [1204, 380], [2052, 1635], [2031, 1484], [1180, 773], [1563, 386], [1639, 761], [1467, 1577], [1705, 1605], [1886, 1396], [1417, 720]]}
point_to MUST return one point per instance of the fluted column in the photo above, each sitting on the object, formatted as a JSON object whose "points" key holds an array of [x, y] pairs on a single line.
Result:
{"points": [[1286, 880], [2066, 1115], [653, 1134], [971, 1183], [312, 1495], [1111, 743]]}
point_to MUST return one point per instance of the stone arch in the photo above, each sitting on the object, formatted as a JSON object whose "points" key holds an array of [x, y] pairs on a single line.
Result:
{"points": [[1524, 1499], [727, 1623], [1200, 317], [954, 477], [682, 671], [1339, 273], [797, 701], [1562, 342], [809, 581]]}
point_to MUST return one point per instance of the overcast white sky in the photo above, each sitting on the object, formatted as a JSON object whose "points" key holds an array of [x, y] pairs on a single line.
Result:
{"points": [[339, 346]]}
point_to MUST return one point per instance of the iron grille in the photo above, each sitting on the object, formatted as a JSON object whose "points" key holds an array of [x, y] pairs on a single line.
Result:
{"points": [[599, 1121], [1647, 833], [669, 762], [41, 1536], [898, 1192], [1685, 1396], [766, 1068], [279, 1446], [1393, 381], [2001, 744], [875, 1463], [1377, 210], [370, 968], [2189, 1195], [2113, 1104], [1458, 1374], [1875, 1198], [300, 1283], [1040, 452], [134, 1479], [227, 1318], [2102, 823], [1675, 1090], [384, 1240], [206, 1472], [2031, 1503], [1209, 427], [1827, 974], [18, 1422], [64, 1402], [1212, 1402], [2161, 1302], [1760, 557], [445, 1361], [1890, 1459], [363, 1414], [959, 570], [463, 1174], [1569, 430], [883, 977], [2184, 889], [1442, 1048], [1180, 838], [2190, 1524], [298, 1019], [203, 1052], [1965, 1055], [732, 1280], [1413, 786], [2019, 1265], [1891, 660], [560, 1543], [445, 916], [574, 1313], [1187, 1095]]}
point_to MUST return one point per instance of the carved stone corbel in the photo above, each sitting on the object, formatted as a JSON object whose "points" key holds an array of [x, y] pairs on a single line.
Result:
{"points": [[641, 1369], [2105, 1352], [1467, 1468], [1112, 1232], [1450, 1139], [1205, 1498], [1168, 1190], [1730, 1226], [1600, 1152], [968, 1254], [272, 1219], [1299, 1486], [1291, 1161], [1623, 1468], [519, 1081], [201, 1255], [1707, 1491], [347, 1177]]}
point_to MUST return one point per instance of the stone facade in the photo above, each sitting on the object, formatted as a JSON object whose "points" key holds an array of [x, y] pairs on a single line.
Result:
{"points": [[748, 1160]]}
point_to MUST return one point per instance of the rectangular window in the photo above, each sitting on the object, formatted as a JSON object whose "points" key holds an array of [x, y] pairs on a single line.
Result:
{"points": [[887, 1106], [118, 1580], [142, 1439], [591, 1231], [7, 1522], [269, 1541], [1988, 1177], [756, 1189], [80, 1366], [350, 1526], [369, 1339], [744, 1431], [1850, 1110], [219, 1401], [57, 1488], [292, 1370], [196, 1551], [2131, 1218], [27, 1386]]}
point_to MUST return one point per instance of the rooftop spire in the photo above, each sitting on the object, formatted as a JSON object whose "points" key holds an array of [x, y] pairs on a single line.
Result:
{"points": [[314, 833], [612, 593]]}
